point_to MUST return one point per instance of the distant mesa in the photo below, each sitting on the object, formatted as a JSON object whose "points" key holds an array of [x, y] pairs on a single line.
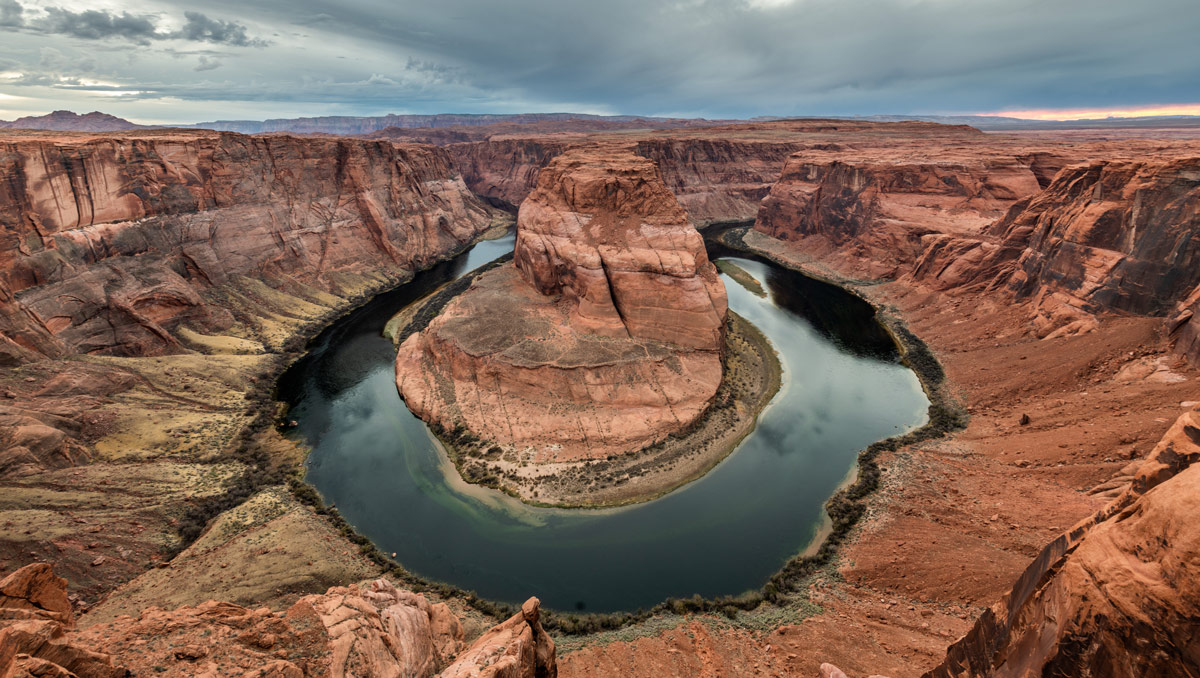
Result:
{"points": [[66, 121]]}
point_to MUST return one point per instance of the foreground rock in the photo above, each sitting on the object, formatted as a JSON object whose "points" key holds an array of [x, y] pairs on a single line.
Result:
{"points": [[603, 338], [1117, 596], [518, 648], [367, 630]]}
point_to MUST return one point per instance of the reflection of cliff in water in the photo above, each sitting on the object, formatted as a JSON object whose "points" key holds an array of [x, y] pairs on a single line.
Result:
{"points": [[843, 318], [358, 336]]}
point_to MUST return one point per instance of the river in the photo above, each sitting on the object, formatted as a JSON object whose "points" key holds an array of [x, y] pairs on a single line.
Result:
{"points": [[843, 388]]}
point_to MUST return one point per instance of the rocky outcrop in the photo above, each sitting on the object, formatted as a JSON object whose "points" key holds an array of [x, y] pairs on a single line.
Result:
{"points": [[1117, 596], [603, 230], [110, 245], [372, 629], [604, 337], [517, 648], [34, 592], [1184, 328], [35, 615], [881, 214]]}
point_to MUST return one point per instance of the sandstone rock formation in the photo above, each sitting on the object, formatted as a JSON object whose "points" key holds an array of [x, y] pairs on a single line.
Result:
{"points": [[34, 592], [881, 212], [367, 630], [1117, 596], [1184, 327], [517, 648], [110, 245], [35, 615], [1103, 236], [604, 337]]}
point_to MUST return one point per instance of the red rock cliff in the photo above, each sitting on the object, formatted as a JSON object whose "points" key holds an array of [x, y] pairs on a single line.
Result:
{"points": [[878, 211], [1103, 236], [605, 336], [108, 244], [605, 231], [715, 179]]}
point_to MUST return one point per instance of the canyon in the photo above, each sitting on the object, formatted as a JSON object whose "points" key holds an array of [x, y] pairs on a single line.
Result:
{"points": [[153, 283]]}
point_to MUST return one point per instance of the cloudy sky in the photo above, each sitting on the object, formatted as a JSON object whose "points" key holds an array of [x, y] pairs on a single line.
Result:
{"points": [[160, 61]]}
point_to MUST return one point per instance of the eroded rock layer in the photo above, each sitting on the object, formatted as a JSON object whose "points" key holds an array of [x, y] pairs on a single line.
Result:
{"points": [[880, 213], [109, 245], [605, 336]]}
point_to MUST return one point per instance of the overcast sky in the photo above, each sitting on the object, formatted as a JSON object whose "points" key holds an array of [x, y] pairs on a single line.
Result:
{"points": [[160, 61]]}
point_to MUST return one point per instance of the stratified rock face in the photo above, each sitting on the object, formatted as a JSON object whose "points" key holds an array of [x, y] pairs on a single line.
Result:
{"points": [[603, 230], [1105, 236], [108, 245], [1116, 236], [1118, 596], [504, 170], [881, 212], [605, 337], [719, 180], [714, 179]]}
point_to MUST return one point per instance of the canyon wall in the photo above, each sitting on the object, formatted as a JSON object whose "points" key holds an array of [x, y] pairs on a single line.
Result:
{"points": [[1102, 237], [715, 179], [1184, 328], [877, 213], [108, 245], [604, 337]]}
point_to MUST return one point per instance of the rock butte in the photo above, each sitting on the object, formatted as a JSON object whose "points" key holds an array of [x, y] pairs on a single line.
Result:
{"points": [[1051, 272], [603, 337]]}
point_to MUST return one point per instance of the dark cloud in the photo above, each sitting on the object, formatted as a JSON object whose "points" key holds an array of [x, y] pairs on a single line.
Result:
{"points": [[11, 13], [200, 28], [140, 29], [97, 25]]}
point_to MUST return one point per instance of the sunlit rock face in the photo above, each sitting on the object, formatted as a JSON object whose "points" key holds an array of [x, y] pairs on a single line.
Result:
{"points": [[605, 335]]}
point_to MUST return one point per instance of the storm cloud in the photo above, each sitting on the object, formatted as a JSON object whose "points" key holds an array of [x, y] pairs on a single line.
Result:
{"points": [[93, 24], [715, 58]]}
